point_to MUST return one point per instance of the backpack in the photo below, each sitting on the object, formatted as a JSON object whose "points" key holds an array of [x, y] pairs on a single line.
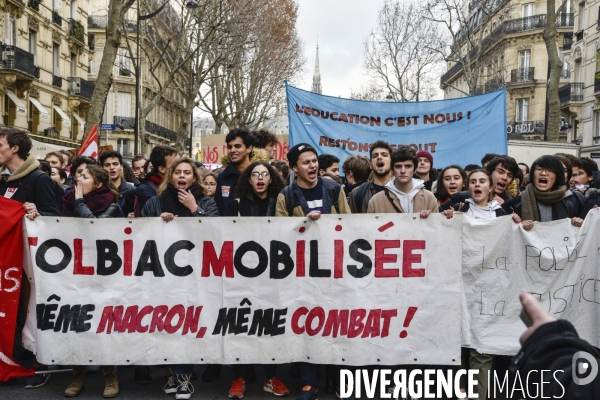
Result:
{"points": [[292, 201], [30, 186], [361, 192]]}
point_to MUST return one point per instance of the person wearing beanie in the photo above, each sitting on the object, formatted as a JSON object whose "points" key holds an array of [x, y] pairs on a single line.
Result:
{"points": [[425, 170], [309, 196]]}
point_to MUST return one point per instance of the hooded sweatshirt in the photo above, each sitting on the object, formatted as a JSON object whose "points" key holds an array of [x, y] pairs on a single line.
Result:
{"points": [[406, 199], [488, 212]]}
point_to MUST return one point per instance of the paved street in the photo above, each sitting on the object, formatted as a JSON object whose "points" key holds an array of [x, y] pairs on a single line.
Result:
{"points": [[94, 386]]}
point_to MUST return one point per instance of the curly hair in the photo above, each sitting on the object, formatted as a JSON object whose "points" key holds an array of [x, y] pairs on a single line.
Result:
{"points": [[243, 186]]}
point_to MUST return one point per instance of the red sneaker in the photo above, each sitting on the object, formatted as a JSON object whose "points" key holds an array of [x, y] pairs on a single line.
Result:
{"points": [[238, 387], [276, 387]]}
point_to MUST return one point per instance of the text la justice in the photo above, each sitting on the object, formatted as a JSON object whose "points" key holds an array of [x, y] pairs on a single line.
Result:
{"points": [[387, 258]]}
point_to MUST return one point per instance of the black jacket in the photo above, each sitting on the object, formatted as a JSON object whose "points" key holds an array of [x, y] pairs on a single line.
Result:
{"points": [[31, 185], [592, 198], [552, 347], [81, 210], [560, 209], [252, 206], [226, 187], [145, 191], [461, 197], [575, 202], [127, 193], [206, 207]]}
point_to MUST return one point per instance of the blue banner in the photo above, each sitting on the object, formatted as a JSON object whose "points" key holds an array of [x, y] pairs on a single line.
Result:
{"points": [[456, 131]]}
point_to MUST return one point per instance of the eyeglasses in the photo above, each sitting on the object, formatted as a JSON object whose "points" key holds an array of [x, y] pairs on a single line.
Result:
{"points": [[211, 184], [263, 175]]}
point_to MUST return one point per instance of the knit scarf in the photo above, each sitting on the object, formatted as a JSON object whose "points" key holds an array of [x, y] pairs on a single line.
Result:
{"points": [[169, 200], [531, 196], [97, 201]]}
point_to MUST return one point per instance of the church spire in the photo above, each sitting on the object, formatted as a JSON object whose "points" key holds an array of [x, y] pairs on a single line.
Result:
{"points": [[316, 86]]}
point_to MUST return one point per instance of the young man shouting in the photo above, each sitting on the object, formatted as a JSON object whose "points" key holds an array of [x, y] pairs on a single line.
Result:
{"points": [[112, 162], [403, 193], [381, 161]]}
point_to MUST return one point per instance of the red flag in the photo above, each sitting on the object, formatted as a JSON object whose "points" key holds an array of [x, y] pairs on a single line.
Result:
{"points": [[11, 269], [90, 146]]}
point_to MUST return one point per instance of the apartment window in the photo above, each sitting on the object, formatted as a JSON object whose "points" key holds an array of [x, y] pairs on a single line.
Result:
{"points": [[33, 45], [124, 105], [524, 61], [124, 63], [73, 64], [73, 9], [566, 68], [89, 66], [123, 146], [581, 16], [522, 110], [528, 10], [10, 33], [56, 60]]}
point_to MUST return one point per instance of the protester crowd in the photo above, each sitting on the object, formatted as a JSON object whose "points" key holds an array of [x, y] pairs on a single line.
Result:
{"points": [[250, 183]]}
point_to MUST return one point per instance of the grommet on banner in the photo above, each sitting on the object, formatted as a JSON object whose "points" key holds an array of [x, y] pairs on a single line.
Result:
{"points": [[200, 221], [202, 359], [57, 220], [377, 217], [91, 222], [566, 239], [237, 359], [414, 217], [454, 360], [234, 221], [415, 359], [378, 360], [90, 360], [127, 360], [343, 359], [165, 359], [272, 359], [130, 221]]}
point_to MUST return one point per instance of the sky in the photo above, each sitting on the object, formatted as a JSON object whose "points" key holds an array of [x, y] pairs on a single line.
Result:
{"points": [[341, 28]]}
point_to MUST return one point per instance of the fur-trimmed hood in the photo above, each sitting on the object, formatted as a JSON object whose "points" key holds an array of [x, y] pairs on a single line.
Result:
{"points": [[256, 155], [28, 166], [592, 192]]}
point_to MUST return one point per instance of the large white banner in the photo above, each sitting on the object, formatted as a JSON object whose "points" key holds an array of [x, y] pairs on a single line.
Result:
{"points": [[557, 262], [350, 290]]}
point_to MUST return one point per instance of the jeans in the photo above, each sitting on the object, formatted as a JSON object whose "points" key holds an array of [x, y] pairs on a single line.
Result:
{"points": [[309, 374], [182, 369]]}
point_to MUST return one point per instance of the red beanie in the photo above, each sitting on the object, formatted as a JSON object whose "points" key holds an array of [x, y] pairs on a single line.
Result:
{"points": [[427, 155]]}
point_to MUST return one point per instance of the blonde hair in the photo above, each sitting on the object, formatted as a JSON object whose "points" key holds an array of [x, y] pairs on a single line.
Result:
{"points": [[169, 175]]}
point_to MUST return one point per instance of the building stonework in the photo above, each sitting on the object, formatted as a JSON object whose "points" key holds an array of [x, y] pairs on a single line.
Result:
{"points": [[164, 120], [43, 69], [515, 57], [581, 107]]}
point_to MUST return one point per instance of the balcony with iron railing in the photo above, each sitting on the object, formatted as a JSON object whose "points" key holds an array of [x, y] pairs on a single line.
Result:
{"points": [[572, 92], [15, 59], [161, 131], [124, 122], [505, 28], [34, 5], [494, 84], [520, 75], [564, 20], [597, 84], [80, 87], [76, 30], [101, 21], [56, 18], [56, 81], [568, 41]]}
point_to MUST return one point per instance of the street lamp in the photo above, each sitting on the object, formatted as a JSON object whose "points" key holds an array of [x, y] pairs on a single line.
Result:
{"points": [[191, 4]]}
